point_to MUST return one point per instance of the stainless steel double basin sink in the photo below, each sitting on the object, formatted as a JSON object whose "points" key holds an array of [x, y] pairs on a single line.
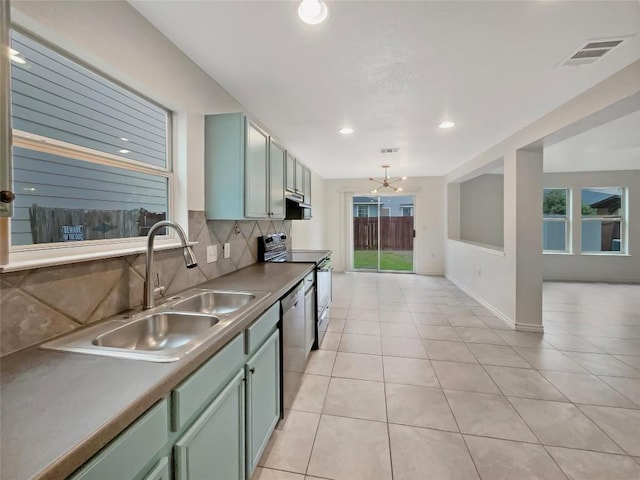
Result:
{"points": [[165, 333]]}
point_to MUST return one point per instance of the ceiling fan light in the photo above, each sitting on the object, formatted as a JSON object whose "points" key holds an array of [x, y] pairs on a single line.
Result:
{"points": [[387, 181], [313, 12]]}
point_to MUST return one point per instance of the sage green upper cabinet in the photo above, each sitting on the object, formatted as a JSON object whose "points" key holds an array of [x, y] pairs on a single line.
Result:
{"points": [[237, 183], [256, 173], [277, 157], [299, 177], [306, 184], [291, 173]]}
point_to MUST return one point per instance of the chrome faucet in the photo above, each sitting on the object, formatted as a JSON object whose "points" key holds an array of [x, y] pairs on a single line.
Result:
{"points": [[189, 260]]}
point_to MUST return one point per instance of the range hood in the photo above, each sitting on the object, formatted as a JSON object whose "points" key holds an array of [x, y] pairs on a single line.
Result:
{"points": [[295, 208], [297, 200]]}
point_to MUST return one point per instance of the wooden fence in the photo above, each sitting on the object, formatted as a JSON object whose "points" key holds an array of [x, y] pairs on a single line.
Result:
{"points": [[396, 233], [49, 225]]}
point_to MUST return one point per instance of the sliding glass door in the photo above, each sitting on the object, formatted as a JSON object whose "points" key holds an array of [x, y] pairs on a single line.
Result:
{"points": [[383, 233]]}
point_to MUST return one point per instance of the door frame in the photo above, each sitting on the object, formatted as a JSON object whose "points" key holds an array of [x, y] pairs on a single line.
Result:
{"points": [[350, 239]]}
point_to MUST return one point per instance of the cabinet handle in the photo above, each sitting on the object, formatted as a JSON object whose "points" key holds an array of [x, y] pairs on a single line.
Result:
{"points": [[252, 370]]}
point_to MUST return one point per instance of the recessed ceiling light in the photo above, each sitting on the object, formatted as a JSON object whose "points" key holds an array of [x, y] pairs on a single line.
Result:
{"points": [[124, 151], [346, 131], [313, 12], [13, 52], [446, 124], [124, 139]]}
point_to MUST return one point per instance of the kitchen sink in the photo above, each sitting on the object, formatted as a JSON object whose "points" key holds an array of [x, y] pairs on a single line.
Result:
{"points": [[214, 302], [159, 331], [165, 333]]}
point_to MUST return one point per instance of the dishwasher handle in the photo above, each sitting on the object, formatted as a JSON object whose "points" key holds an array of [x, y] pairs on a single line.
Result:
{"points": [[292, 300]]}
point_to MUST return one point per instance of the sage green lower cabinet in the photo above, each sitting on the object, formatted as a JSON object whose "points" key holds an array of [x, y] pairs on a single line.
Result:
{"points": [[160, 471], [263, 398], [128, 456], [213, 447]]}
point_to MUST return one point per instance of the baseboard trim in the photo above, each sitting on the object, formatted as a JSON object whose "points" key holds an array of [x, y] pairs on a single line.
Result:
{"points": [[520, 327], [485, 304], [529, 327]]}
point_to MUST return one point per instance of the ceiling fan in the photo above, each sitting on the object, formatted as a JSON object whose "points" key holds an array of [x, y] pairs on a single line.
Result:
{"points": [[387, 181]]}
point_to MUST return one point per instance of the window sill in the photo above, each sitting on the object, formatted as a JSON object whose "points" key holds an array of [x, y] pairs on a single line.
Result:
{"points": [[552, 252], [604, 254], [492, 249], [47, 257]]}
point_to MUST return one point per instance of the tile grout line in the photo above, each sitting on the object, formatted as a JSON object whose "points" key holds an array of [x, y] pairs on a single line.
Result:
{"points": [[446, 399], [324, 401]]}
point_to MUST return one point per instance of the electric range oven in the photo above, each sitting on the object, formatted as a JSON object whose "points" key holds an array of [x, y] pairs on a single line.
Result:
{"points": [[273, 248]]}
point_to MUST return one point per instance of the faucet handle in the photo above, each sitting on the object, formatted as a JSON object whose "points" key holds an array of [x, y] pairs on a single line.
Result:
{"points": [[159, 289]]}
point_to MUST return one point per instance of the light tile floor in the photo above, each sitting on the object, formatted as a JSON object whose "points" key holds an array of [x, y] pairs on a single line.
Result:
{"points": [[416, 380]]}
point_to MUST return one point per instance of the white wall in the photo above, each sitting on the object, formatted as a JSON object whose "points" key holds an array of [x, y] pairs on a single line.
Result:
{"points": [[428, 212], [309, 234], [492, 277], [597, 267], [482, 210]]}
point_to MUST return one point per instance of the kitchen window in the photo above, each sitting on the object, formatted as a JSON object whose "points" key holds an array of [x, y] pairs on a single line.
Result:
{"points": [[602, 220], [555, 222], [91, 158]]}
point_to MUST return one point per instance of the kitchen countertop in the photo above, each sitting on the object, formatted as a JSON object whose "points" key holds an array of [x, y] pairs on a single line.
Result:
{"points": [[58, 409], [314, 256]]}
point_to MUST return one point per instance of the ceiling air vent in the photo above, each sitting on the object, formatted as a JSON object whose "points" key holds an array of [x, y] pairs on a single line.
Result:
{"points": [[388, 150], [592, 51]]}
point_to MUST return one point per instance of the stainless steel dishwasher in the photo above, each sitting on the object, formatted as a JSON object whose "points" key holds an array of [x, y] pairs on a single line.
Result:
{"points": [[293, 345]]}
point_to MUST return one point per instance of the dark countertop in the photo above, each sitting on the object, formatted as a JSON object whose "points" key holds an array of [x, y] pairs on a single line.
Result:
{"points": [[59, 409], [312, 256]]}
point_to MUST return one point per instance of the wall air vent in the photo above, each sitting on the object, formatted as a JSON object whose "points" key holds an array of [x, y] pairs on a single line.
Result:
{"points": [[388, 150], [592, 51]]}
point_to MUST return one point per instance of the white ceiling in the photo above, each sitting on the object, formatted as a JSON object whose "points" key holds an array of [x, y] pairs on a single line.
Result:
{"points": [[393, 70]]}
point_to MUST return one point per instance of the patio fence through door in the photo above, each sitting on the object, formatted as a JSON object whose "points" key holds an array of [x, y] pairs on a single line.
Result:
{"points": [[398, 233]]}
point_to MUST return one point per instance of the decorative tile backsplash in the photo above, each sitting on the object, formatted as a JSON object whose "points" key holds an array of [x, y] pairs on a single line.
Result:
{"points": [[38, 304]]}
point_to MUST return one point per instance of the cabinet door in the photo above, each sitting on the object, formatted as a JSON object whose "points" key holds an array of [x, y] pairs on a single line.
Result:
{"points": [[309, 320], [307, 185], [256, 173], [276, 180], [299, 177], [213, 448], [128, 455], [263, 398], [291, 172], [160, 471]]}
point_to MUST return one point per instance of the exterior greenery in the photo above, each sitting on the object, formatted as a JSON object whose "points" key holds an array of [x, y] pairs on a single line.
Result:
{"points": [[396, 260]]}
